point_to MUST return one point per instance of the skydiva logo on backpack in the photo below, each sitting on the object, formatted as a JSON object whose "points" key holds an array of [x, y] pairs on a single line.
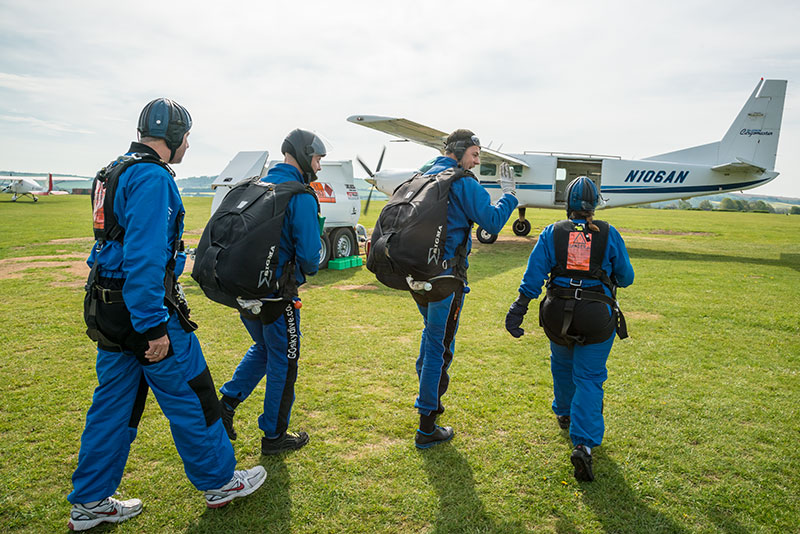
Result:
{"points": [[410, 233], [433, 252], [265, 276]]}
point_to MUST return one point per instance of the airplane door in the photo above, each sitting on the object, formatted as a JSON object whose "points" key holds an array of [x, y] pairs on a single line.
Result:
{"points": [[560, 185], [567, 169]]}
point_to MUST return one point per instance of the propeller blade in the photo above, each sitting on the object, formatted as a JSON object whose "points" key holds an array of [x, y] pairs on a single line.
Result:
{"points": [[380, 160], [364, 166], [369, 197]]}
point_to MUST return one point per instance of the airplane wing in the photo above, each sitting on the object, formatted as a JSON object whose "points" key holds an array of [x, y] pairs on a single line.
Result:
{"points": [[424, 135], [740, 165]]}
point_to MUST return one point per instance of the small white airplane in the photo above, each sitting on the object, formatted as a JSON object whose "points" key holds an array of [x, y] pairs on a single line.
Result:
{"points": [[743, 159], [21, 186]]}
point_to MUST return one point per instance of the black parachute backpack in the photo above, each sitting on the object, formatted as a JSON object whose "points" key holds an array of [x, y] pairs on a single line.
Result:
{"points": [[238, 252], [409, 236]]}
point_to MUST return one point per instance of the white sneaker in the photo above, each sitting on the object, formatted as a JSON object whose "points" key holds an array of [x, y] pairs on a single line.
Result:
{"points": [[109, 510], [243, 483]]}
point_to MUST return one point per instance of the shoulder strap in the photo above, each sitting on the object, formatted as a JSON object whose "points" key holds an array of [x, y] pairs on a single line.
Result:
{"points": [[460, 256], [106, 227]]}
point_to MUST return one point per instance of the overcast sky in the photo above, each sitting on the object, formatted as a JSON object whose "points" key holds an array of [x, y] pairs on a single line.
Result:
{"points": [[625, 78]]}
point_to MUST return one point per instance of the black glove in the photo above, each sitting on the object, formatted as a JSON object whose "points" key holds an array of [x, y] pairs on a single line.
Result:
{"points": [[516, 313]]}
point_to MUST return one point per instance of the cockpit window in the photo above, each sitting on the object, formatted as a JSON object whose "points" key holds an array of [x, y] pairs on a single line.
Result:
{"points": [[488, 169]]}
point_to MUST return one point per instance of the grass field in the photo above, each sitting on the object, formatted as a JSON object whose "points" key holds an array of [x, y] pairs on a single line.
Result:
{"points": [[702, 403]]}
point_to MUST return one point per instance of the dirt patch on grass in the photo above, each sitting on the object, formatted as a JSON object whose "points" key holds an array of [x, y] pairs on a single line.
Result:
{"points": [[662, 231], [69, 240], [644, 316], [69, 269], [372, 449], [356, 287]]}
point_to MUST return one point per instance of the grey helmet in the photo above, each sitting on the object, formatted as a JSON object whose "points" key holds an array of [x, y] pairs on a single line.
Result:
{"points": [[303, 145], [165, 119]]}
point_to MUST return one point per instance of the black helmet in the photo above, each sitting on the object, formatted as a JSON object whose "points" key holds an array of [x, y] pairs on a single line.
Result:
{"points": [[459, 141], [303, 145], [582, 195], [165, 119]]}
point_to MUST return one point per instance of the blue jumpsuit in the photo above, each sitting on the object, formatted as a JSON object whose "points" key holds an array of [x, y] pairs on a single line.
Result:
{"points": [[147, 205], [468, 202], [578, 372], [276, 346]]}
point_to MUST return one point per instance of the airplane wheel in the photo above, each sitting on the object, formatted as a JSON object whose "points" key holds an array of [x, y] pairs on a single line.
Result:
{"points": [[484, 236], [325, 251], [343, 243], [521, 228]]}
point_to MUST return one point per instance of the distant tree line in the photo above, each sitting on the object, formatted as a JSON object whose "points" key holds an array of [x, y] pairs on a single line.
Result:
{"points": [[728, 204]]}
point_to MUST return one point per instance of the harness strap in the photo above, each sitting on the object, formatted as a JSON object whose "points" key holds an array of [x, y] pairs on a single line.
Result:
{"points": [[92, 330], [573, 295], [569, 309], [579, 293]]}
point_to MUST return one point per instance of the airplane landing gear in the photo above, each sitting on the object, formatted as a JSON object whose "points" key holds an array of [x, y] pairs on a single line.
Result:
{"points": [[485, 237], [521, 226]]}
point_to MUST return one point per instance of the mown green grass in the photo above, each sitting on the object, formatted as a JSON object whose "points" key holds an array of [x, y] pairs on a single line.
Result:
{"points": [[701, 403]]}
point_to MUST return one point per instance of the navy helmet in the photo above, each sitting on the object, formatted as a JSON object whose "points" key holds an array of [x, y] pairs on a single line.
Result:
{"points": [[165, 119], [303, 145], [582, 195]]}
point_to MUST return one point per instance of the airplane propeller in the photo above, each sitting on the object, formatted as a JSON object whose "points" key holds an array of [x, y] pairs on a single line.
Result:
{"points": [[371, 175]]}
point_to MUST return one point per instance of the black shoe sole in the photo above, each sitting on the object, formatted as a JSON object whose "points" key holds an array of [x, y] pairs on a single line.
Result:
{"points": [[583, 469], [429, 444], [296, 444]]}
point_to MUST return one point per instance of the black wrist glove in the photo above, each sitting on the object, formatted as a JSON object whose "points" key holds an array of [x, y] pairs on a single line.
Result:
{"points": [[516, 313]]}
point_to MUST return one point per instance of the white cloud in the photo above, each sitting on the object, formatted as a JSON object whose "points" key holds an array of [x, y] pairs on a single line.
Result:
{"points": [[619, 77]]}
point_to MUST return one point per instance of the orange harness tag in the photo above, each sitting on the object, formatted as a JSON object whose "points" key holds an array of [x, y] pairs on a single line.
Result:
{"points": [[579, 251], [99, 198]]}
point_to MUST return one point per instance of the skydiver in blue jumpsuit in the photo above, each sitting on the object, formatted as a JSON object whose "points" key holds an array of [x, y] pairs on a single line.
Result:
{"points": [[276, 332], [579, 314], [468, 202], [142, 343]]}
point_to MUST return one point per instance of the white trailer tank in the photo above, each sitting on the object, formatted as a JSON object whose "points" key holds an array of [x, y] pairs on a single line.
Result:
{"points": [[338, 199]]}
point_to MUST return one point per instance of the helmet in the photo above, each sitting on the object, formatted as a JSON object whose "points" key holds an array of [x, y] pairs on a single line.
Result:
{"points": [[459, 141], [302, 145], [582, 195], [165, 119]]}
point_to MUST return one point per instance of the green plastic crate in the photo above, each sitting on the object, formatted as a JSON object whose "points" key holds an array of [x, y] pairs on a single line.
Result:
{"points": [[339, 264]]}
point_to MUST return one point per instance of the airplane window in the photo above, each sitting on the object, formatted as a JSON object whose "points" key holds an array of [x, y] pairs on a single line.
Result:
{"points": [[489, 169], [517, 170]]}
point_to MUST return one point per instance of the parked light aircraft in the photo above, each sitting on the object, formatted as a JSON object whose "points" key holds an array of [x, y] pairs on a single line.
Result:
{"points": [[743, 159], [21, 186]]}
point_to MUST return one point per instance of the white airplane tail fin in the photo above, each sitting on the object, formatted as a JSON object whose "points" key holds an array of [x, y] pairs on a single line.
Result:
{"points": [[752, 139], [753, 136]]}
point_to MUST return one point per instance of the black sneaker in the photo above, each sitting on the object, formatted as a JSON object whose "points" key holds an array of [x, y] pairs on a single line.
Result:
{"points": [[439, 435], [288, 441], [582, 460], [227, 419], [563, 421]]}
